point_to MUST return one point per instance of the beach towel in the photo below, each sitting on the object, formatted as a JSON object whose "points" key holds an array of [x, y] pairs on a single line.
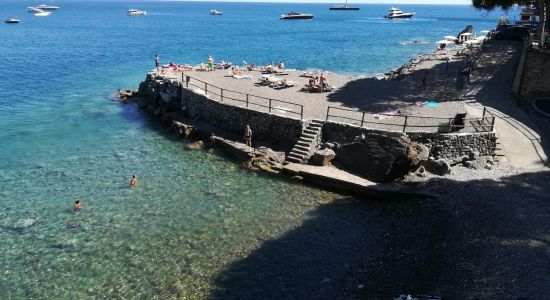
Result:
{"points": [[387, 113], [431, 103], [242, 76]]}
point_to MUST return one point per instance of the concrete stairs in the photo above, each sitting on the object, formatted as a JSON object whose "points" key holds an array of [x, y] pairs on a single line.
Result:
{"points": [[307, 143]]}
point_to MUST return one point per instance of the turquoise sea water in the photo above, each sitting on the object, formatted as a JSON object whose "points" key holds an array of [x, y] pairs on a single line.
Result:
{"points": [[198, 222]]}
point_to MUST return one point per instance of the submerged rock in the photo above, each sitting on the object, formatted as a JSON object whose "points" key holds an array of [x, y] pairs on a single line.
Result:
{"points": [[195, 145], [23, 224]]}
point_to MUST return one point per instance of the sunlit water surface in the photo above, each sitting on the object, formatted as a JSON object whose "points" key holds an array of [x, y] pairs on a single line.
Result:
{"points": [[196, 218]]}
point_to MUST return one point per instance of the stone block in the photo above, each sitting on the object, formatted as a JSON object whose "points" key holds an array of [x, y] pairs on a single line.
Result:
{"points": [[322, 157]]}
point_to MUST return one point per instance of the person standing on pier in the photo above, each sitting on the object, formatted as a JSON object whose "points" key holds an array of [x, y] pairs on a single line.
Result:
{"points": [[323, 82], [210, 63], [248, 136], [157, 61]]}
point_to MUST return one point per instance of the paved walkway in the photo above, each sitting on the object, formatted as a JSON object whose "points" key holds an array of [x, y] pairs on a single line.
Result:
{"points": [[490, 86]]}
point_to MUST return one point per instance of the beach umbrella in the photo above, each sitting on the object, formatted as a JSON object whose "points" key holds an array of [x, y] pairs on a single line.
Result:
{"points": [[450, 38], [444, 42], [484, 31]]}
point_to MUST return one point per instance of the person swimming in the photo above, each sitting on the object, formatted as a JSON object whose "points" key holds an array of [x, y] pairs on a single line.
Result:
{"points": [[77, 206], [133, 181]]}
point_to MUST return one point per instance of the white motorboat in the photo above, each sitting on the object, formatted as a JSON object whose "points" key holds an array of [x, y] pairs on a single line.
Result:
{"points": [[216, 13], [34, 9], [135, 12], [43, 14], [296, 16], [12, 21], [47, 7], [396, 13]]}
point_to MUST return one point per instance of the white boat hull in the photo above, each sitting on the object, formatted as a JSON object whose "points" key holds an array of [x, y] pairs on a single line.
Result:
{"points": [[42, 14], [403, 16]]}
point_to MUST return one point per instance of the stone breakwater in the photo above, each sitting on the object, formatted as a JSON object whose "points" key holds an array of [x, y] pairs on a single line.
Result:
{"points": [[162, 95], [376, 155]]}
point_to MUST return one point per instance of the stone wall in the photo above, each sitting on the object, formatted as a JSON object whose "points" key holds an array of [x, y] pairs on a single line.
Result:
{"points": [[281, 132], [450, 146], [457, 145], [535, 79], [162, 96]]}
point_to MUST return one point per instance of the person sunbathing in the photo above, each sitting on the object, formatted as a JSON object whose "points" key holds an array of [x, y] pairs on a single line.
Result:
{"points": [[235, 71], [313, 82]]}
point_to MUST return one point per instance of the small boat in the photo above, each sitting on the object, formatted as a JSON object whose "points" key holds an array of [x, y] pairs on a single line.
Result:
{"points": [[43, 14], [135, 12], [12, 21], [343, 7], [34, 9], [216, 13], [296, 16], [47, 7], [396, 13]]}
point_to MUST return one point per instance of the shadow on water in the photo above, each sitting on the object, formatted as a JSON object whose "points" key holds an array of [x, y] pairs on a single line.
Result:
{"points": [[323, 258], [481, 239]]}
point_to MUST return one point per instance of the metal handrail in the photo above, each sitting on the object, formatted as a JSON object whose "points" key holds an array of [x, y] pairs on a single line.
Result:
{"points": [[270, 101], [487, 120], [535, 37]]}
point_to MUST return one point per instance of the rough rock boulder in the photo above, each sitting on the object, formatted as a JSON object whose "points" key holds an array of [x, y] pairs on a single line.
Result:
{"points": [[379, 158], [322, 157]]}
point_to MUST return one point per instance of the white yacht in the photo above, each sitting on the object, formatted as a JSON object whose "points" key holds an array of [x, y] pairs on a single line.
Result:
{"points": [[47, 7], [396, 13], [12, 21], [34, 9], [216, 13], [296, 16], [43, 14], [135, 12]]}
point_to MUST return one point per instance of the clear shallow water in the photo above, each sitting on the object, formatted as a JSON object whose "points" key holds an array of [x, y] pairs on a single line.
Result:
{"points": [[197, 222]]}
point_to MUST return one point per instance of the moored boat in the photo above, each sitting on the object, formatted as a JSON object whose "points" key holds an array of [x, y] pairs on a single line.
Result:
{"points": [[47, 7], [343, 7], [396, 13], [135, 12], [33, 9], [12, 21], [296, 16], [216, 13]]}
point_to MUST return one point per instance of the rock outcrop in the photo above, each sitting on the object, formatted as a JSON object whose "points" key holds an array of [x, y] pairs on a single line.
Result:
{"points": [[322, 157], [378, 158]]}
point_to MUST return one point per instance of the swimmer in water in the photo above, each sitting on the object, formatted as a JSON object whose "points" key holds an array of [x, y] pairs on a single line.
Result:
{"points": [[133, 182], [77, 206]]}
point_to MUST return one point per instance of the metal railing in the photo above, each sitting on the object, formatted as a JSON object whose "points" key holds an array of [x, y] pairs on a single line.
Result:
{"points": [[535, 39], [250, 101], [406, 123]]}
